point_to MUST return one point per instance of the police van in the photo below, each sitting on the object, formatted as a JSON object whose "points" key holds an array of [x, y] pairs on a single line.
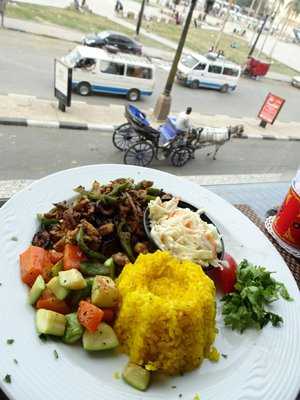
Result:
{"points": [[102, 71], [210, 71]]}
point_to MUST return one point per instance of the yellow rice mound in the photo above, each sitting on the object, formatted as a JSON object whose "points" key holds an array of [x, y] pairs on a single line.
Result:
{"points": [[166, 320]]}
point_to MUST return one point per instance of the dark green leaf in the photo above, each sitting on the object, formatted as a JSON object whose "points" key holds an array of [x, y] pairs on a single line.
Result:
{"points": [[55, 354], [254, 290], [7, 378], [10, 341]]}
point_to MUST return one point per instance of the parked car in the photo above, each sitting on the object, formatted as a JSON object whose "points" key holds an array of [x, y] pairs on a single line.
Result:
{"points": [[210, 71], [100, 71], [113, 39], [296, 81]]}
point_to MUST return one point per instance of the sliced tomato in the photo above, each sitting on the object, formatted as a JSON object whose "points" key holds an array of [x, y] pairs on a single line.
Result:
{"points": [[55, 256], [89, 315], [47, 267], [50, 302], [72, 256], [108, 314], [225, 276], [32, 263]]}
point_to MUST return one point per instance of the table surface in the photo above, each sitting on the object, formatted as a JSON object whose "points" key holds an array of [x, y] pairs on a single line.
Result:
{"points": [[259, 196]]}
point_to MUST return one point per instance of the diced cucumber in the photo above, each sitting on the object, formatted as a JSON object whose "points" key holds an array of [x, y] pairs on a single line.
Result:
{"points": [[50, 322], [136, 376], [60, 292], [104, 292], [74, 330], [57, 267], [36, 289], [112, 266], [72, 279], [103, 339]]}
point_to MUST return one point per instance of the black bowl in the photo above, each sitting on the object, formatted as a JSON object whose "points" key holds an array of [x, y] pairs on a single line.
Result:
{"points": [[182, 204]]}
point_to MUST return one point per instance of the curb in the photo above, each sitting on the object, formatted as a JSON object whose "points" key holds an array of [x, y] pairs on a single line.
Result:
{"points": [[56, 124], [110, 128]]}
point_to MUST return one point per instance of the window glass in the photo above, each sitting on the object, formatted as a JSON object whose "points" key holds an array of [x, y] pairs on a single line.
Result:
{"points": [[139, 72], [230, 71], [200, 67], [86, 63], [189, 61], [108, 67], [215, 69]]}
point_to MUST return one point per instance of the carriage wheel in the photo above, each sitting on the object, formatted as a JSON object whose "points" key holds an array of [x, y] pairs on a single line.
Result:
{"points": [[180, 156], [124, 136], [140, 153]]}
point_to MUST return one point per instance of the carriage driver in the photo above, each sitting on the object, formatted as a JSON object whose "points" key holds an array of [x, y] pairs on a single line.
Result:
{"points": [[183, 123]]}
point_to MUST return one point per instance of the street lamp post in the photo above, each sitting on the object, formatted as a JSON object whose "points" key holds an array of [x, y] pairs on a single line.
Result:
{"points": [[139, 22], [163, 105], [258, 36]]}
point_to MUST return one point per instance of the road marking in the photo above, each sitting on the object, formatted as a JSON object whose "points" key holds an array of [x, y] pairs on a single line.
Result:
{"points": [[10, 187]]}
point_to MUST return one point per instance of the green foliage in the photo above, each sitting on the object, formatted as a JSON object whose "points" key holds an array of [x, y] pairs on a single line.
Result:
{"points": [[254, 290]]}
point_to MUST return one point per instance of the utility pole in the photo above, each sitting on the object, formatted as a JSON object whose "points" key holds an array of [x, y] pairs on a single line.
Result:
{"points": [[274, 13], [163, 105], [217, 42], [251, 8], [140, 18], [258, 36]]}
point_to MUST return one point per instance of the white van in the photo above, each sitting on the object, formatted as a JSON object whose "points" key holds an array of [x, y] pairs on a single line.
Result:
{"points": [[100, 71], [209, 72]]}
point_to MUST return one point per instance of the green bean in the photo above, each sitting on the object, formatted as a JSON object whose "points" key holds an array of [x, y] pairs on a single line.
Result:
{"points": [[47, 221], [84, 247], [92, 268], [154, 191], [125, 240], [118, 188]]}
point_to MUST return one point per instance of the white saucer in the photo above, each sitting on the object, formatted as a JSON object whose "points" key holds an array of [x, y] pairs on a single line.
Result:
{"points": [[290, 249]]}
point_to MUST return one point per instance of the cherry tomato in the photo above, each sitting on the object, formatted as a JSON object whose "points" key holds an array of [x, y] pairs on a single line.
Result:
{"points": [[225, 276]]}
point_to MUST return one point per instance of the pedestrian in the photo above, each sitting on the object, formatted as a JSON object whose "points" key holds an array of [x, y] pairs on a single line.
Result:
{"points": [[2, 11], [183, 123]]}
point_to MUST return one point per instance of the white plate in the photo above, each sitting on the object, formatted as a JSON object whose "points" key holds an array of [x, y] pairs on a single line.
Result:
{"points": [[260, 365]]}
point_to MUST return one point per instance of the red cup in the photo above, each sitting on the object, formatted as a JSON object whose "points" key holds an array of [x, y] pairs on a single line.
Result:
{"points": [[287, 221]]}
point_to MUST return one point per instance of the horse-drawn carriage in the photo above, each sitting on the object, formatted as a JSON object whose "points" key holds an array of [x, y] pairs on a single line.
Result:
{"points": [[140, 142]]}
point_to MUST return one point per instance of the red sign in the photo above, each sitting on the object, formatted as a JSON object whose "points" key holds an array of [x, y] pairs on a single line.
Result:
{"points": [[271, 107]]}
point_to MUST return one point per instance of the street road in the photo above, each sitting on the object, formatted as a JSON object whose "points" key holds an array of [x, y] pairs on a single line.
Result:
{"points": [[30, 153], [26, 67]]}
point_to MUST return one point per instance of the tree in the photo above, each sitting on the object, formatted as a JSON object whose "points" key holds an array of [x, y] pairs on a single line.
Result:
{"points": [[293, 10]]}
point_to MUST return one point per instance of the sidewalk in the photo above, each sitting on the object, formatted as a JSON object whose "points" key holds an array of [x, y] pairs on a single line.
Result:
{"points": [[29, 111]]}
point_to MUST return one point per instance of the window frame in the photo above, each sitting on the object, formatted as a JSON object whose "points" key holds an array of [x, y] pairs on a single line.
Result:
{"points": [[217, 66], [112, 62], [139, 66]]}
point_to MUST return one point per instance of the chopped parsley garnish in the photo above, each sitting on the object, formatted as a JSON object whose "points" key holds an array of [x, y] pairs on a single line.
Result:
{"points": [[254, 290], [10, 341], [7, 378], [16, 361], [43, 337], [173, 387], [55, 354], [14, 238], [224, 355], [117, 375]]}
